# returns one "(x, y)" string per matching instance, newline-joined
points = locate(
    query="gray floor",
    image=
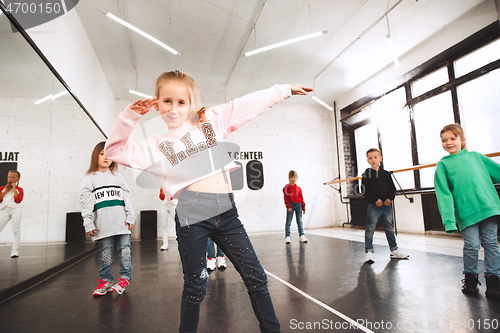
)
(316, 287)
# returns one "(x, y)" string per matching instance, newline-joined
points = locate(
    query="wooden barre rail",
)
(416, 167)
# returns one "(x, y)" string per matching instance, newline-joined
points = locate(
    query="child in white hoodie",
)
(108, 215)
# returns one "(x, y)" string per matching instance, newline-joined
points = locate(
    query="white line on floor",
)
(323, 305)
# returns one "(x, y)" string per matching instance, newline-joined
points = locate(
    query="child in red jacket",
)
(294, 202)
(11, 196)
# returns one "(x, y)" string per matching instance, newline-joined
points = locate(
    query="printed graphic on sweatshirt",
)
(108, 196)
(190, 156)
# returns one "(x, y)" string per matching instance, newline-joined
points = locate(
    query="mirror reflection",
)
(48, 139)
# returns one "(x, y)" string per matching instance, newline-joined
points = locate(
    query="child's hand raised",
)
(298, 89)
(142, 106)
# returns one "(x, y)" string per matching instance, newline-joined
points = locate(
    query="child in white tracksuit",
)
(11, 196)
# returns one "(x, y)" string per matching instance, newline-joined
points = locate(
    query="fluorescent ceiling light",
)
(139, 94)
(60, 94)
(52, 97)
(286, 42)
(392, 50)
(140, 32)
(41, 100)
(322, 103)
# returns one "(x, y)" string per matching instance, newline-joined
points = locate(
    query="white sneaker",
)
(369, 258)
(164, 247)
(221, 262)
(396, 254)
(302, 239)
(211, 264)
(288, 240)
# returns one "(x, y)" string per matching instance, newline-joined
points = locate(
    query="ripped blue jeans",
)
(221, 223)
(106, 248)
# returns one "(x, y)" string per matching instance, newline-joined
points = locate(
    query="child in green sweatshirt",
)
(467, 197)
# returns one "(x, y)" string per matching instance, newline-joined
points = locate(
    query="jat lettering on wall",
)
(9, 156)
(8, 161)
(108, 196)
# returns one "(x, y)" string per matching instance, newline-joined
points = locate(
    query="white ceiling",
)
(212, 35)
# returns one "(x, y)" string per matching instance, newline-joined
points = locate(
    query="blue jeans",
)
(228, 233)
(482, 233)
(106, 248)
(372, 216)
(211, 249)
(297, 208)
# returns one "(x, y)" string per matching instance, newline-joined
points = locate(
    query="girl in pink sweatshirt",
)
(191, 163)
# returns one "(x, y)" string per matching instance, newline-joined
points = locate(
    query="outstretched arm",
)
(298, 89)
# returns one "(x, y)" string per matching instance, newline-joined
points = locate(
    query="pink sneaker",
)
(102, 288)
(120, 286)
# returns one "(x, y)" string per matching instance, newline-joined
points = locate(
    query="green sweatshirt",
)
(464, 189)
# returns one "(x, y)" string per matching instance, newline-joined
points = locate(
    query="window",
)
(431, 116)
(366, 137)
(391, 117)
(406, 124)
(479, 101)
(477, 59)
(429, 82)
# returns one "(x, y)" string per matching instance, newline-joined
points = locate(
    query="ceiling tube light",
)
(392, 50)
(52, 97)
(322, 103)
(41, 100)
(286, 42)
(60, 94)
(390, 43)
(140, 32)
(139, 94)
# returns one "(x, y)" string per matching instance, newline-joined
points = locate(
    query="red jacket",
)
(20, 196)
(293, 193)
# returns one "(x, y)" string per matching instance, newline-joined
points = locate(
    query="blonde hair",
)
(94, 165)
(457, 130)
(372, 150)
(17, 173)
(194, 92)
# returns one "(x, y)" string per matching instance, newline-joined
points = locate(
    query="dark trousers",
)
(202, 215)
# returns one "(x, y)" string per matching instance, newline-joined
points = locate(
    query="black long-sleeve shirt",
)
(378, 185)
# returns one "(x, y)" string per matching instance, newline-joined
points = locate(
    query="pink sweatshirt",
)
(181, 156)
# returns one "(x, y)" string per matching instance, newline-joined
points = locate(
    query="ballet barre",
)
(416, 167)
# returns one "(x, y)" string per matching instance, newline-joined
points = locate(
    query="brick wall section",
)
(349, 162)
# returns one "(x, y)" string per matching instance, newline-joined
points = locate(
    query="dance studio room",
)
(249, 166)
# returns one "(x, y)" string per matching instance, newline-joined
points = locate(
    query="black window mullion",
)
(454, 94)
(413, 133)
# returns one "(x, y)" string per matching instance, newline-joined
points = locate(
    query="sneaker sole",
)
(101, 294)
(119, 293)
